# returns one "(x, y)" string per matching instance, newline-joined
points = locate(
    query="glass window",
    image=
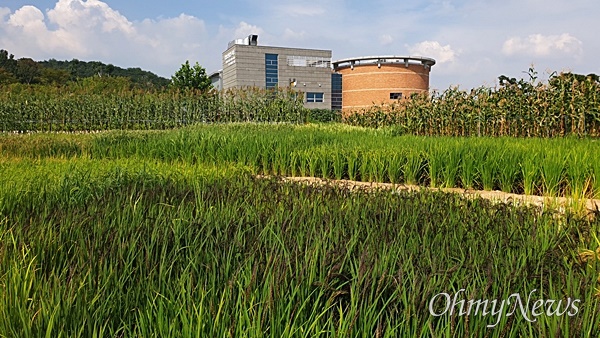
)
(336, 91)
(271, 70)
(314, 97)
(308, 61)
(395, 96)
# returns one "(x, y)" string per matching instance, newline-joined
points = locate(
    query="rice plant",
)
(339, 165)
(530, 172)
(509, 170)
(353, 160)
(467, 171)
(486, 159)
(552, 171)
(121, 234)
(395, 162)
(578, 174)
(413, 167)
(366, 154)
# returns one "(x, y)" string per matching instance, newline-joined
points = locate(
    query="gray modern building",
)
(247, 64)
(216, 79)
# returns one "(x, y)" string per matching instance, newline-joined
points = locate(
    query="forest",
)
(29, 71)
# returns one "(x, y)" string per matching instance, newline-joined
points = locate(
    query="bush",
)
(325, 115)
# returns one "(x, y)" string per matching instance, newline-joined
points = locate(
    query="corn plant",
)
(568, 104)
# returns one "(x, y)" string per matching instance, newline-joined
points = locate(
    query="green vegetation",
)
(108, 103)
(552, 167)
(167, 233)
(191, 77)
(324, 115)
(569, 104)
(142, 232)
(53, 72)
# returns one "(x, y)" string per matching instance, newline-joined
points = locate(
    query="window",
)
(308, 61)
(395, 96)
(314, 97)
(336, 91)
(271, 70)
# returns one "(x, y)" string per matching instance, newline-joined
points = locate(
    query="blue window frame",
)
(271, 70)
(314, 97)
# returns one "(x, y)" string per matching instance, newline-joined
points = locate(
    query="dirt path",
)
(592, 206)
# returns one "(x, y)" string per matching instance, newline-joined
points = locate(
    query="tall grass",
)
(535, 166)
(143, 247)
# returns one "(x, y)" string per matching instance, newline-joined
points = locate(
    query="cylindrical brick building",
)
(373, 80)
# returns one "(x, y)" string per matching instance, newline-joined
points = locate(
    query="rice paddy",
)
(171, 233)
(568, 167)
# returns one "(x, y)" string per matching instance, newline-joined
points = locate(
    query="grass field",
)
(550, 167)
(163, 234)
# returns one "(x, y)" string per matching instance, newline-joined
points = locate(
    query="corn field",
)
(48, 109)
(566, 105)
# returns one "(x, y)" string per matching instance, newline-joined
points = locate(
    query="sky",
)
(473, 41)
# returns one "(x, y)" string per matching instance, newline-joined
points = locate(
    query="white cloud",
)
(461, 35)
(433, 49)
(297, 10)
(89, 15)
(386, 39)
(4, 12)
(91, 30)
(539, 45)
(244, 29)
(289, 34)
(27, 17)
(26, 33)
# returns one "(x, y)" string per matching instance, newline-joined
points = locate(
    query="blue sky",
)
(473, 41)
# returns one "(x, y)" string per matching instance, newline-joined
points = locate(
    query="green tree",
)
(54, 76)
(188, 77)
(7, 77)
(7, 61)
(28, 71)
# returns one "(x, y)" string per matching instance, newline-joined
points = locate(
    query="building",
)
(216, 79)
(247, 64)
(381, 79)
(348, 84)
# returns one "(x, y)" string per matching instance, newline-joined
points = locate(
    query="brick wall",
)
(366, 85)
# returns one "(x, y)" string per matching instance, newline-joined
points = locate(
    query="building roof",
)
(383, 59)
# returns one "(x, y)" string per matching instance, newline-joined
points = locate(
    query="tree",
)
(188, 77)
(28, 71)
(7, 77)
(54, 76)
(7, 61)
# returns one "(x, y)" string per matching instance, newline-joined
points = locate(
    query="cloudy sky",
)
(473, 41)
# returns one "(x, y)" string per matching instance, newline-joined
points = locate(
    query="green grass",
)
(161, 234)
(550, 167)
(125, 247)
